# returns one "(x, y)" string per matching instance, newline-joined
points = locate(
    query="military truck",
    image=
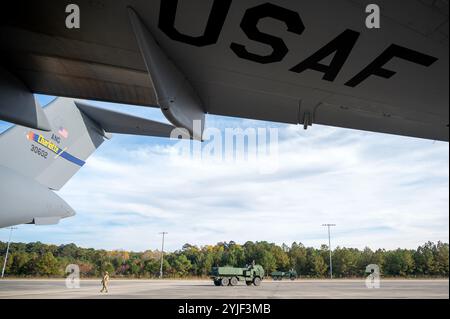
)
(279, 275)
(231, 276)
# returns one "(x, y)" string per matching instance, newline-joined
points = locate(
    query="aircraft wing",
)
(291, 61)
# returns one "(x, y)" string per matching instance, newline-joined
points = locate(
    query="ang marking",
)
(41, 140)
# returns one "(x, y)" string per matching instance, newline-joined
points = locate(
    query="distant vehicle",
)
(224, 276)
(279, 275)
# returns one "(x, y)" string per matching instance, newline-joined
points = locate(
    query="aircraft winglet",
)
(177, 98)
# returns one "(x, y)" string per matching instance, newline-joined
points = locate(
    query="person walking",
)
(105, 281)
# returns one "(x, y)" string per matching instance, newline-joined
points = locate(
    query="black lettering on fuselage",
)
(249, 25)
(376, 67)
(217, 16)
(341, 46)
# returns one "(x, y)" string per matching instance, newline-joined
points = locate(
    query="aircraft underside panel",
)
(300, 62)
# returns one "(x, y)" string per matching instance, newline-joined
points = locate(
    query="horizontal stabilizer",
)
(116, 122)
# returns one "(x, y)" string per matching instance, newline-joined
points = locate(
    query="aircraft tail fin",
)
(77, 130)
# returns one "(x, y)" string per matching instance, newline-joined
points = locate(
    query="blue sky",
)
(382, 191)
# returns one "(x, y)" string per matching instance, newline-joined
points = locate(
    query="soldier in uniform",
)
(105, 280)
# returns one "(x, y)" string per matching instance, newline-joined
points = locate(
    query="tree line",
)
(42, 260)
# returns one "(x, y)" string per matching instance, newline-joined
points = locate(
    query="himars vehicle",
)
(279, 275)
(224, 276)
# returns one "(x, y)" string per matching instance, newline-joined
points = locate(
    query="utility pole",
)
(329, 247)
(7, 250)
(162, 254)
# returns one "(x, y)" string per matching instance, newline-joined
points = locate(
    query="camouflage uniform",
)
(105, 282)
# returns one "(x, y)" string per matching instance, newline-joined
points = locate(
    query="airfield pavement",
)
(199, 289)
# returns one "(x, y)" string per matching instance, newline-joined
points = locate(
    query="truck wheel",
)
(225, 281)
(249, 283)
(216, 282)
(292, 278)
(257, 281)
(233, 281)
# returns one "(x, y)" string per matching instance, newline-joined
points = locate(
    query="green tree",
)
(151, 267)
(398, 262)
(182, 265)
(424, 259)
(281, 258)
(345, 262)
(206, 260)
(315, 264)
(442, 259)
(38, 259)
(47, 265)
(19, 261)
(298, 258)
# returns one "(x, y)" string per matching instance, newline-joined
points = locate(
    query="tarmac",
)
(200, 289)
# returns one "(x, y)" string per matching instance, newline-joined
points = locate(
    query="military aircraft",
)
(292, 61)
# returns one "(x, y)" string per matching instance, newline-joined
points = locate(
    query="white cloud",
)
(381, 191)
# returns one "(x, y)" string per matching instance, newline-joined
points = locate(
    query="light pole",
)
(329, 247)
(162, 255)
(7, 250)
